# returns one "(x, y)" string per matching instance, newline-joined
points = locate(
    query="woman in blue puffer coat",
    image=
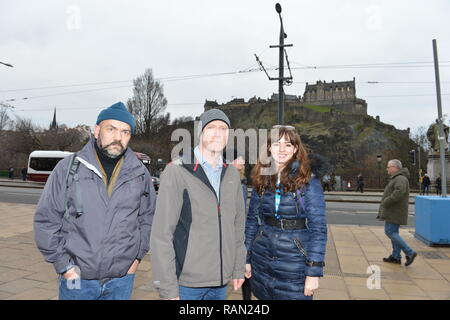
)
(286, 230)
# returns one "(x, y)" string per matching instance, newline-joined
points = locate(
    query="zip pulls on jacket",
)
(219, 214)
(277, 197)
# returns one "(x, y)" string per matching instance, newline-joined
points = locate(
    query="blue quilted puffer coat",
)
(279, 257)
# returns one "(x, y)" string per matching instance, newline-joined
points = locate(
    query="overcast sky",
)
(62, 43)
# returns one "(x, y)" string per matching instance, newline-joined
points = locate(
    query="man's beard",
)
(106, 152)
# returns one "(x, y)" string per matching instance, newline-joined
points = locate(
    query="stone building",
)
(337, 95)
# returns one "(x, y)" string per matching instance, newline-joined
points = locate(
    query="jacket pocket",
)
(300, 247)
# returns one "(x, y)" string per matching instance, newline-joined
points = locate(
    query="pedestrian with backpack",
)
(94, 217)
(286, 230)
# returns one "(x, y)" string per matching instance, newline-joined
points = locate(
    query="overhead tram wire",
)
(247, 70)
(198, 76)
(21, 109)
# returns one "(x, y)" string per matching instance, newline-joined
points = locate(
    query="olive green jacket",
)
(394, 204)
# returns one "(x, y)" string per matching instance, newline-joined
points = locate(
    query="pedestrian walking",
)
(24, 173)
(326, 180)
(198, 231)
(360, 183)
(333, 182)
(349, 186)
(426, 182)
(420, 181)
(394, 211)
(438, 185)
(286, 231)
(94, 217)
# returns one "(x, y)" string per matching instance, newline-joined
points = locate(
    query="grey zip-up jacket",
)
(197, 241)
(111, 233)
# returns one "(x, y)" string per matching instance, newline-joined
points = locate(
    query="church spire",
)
(54, 125)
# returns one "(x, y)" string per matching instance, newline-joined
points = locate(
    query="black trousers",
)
(246, 290)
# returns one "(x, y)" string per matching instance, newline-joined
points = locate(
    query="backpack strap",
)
(72, 176)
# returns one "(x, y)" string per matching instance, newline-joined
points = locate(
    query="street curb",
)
(22, 186)
(326, 200)
(357, 201)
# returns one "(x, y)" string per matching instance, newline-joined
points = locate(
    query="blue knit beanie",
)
(118, 112)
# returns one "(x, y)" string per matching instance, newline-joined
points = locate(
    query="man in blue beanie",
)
(94, 217)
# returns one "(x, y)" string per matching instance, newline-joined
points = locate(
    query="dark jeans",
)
(212, 293)
(115, 289)
(398, 244)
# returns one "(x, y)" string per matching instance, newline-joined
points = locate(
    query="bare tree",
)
(147, 104)
(419, 136)
(26, 135)
(5, 120)
(63, 139)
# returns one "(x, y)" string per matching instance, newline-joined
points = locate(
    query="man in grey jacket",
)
(94, 224)
(198, 232)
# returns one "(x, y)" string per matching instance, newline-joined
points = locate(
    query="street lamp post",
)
(281, 78)
(281, 69)
(440, 122)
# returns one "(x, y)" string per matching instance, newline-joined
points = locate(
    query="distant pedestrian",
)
(360, 182)
(333, 182)
(326, 183)
(438, 185)
(394, 211)
(24, 174)
(426, 182)
(349, 186)
(11, 173)
(420, 182)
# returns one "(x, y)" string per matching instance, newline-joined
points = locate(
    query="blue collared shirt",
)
(213, 174)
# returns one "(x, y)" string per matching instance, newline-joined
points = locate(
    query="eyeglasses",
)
(280, 126)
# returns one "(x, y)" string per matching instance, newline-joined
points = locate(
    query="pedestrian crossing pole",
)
(442, 141)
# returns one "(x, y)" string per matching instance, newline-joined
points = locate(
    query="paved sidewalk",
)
(351, 250)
